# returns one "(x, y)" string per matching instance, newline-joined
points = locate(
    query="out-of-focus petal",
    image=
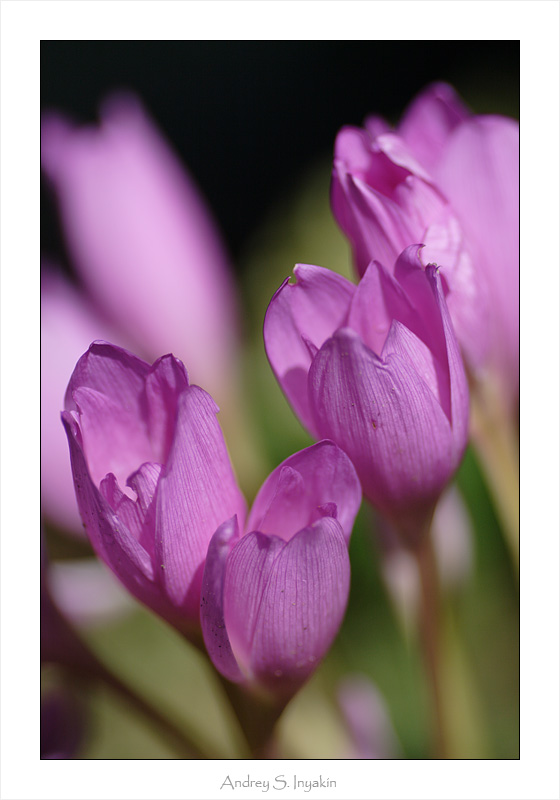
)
(300, 317)
(466, 289)
(375, 125)
(373, 223)
(68, 325)
(197, 492)
(386, 207)
(142, 237)
(295, 494)
(295, 606)
(479, 173)
(387, 420)
(212, 601)
(366, 716)
(429, 120)
(453, 539)
(87, 593)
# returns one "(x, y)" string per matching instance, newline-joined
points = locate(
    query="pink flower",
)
(450, 180)
(151, 473)
(154, 272)
(274, 598)
(159, 500)
(377, 369)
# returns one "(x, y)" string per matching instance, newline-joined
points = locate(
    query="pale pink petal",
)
(142, 238)
(301, 488)
(480, 174)
(429, 120)
(68, 325)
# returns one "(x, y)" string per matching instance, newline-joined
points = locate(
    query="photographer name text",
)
(279, 783)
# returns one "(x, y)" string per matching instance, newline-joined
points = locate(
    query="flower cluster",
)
(450, 180)
(376, 367)
(374, 371)
(162, 508)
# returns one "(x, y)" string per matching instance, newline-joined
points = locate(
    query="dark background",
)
(246, 117)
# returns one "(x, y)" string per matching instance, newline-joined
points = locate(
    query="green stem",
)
(430, 630)
(169, 731)
(495, 439)
(61, 645)
(257, 717)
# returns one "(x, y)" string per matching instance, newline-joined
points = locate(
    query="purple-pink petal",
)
(296, 609)
(164, 383)
(197, 492)
(479, 172)
(295, 494)
(112, 371)
(247, 573)
(300, 317)
(458, 385)
(429, 120)
(115, 438)
(212, 619)
(388, 421)
(137, 514)
(110, 537)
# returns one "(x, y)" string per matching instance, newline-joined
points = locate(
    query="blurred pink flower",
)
(69, 323)
(367, 720)
(154, 272)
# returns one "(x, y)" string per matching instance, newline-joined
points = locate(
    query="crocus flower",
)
(274, 597)
(450, 180)
(377, 369)
(152, 475)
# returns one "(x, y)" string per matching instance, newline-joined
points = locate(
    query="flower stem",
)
(430, 628)
(61, 645)
(257, 718)
(169, 731)
(495, 439)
